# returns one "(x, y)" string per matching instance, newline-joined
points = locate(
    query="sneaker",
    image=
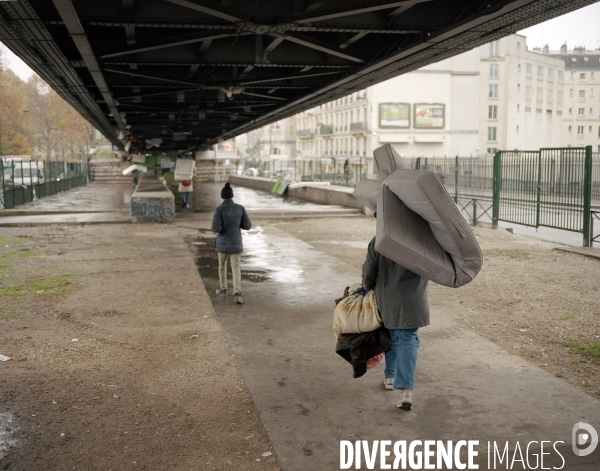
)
(406, 400)
(388, 383)
(221, 292)
(238, 298)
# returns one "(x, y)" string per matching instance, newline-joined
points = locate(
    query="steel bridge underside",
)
(188, 73)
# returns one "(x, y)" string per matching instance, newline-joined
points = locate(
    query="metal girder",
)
(350, 10)
(295, 53)
(69, 16)
(202, 39)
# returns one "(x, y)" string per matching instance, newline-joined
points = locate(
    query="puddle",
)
(207, 263)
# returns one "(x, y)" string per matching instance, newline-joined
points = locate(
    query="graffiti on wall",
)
(152, 212)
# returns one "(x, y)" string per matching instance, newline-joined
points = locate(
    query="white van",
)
(23, 173)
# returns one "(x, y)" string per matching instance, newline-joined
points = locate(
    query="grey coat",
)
(401, 295)
(227, 221)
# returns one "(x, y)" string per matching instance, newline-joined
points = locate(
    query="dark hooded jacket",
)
(402, 297)
(228, 219)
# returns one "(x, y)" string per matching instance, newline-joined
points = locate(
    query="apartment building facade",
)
(498, 96)
(581, 120)
(521, 97)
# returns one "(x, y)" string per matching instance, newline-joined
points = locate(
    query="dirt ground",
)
(535, 301)
(103, 379)
(118, 360)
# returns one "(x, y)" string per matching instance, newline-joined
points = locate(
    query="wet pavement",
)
(207, 196)
(98, 203)
(467, 387)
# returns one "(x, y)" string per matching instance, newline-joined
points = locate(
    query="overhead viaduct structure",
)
(186, 73)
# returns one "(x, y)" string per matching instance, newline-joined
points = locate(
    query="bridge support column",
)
(152, 201)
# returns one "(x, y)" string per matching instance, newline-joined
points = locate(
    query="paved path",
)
(467, 387)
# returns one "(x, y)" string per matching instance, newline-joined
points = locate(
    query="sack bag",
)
(356, 313)
(186, 182)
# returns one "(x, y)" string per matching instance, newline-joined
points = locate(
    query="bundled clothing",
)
(356, 349)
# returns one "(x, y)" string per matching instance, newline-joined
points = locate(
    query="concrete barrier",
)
(333, 194)
(152, 202)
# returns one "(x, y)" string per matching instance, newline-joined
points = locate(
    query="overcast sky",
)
(579, 28)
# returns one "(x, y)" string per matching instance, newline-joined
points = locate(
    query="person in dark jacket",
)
(404, 307)
(228, 219)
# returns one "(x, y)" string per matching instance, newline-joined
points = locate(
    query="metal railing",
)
(548, 187)
(23, 182)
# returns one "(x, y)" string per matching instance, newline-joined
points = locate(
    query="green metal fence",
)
(23, 182)
(549, 187)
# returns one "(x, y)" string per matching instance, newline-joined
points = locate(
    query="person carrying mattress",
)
(404, 307)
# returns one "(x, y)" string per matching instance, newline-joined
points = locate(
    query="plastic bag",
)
(373, 362)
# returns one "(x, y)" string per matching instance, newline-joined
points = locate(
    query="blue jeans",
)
(185, 197)
(401, 357)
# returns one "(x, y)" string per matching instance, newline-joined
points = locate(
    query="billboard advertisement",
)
(430, 115)
(394, 115)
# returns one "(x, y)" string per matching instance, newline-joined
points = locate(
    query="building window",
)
(494, 70)
(540, 71)
(529, 69)
(495, 48)
(591, 110)
(570, 110)
(493, 112)
(518, 44)
(581, 95)
(538, 94)
(550, 74)
(561, 75)
(581, 112)
(518, 108)
(493, 91)
(559, 97)
(590, 129)
(519, 68)
(275, 151)
(517, 129)
(570, 92)
(570, 129)
(549, 95)
(519, 87)
(491, 150)
(581, 76)
(598, 131)
(580, 130)
(528, 92)
(491, 134)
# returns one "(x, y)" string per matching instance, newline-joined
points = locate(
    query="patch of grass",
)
(566, 318)
(41, 286)
(517, 254)
(589, 349)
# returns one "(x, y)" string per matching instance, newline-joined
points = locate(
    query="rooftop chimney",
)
(546, 49)
(563, 48)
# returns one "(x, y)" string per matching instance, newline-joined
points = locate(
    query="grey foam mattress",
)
(418, 224)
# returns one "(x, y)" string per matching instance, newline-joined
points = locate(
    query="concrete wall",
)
(332, 195)
(258, 183)
(152, 202)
